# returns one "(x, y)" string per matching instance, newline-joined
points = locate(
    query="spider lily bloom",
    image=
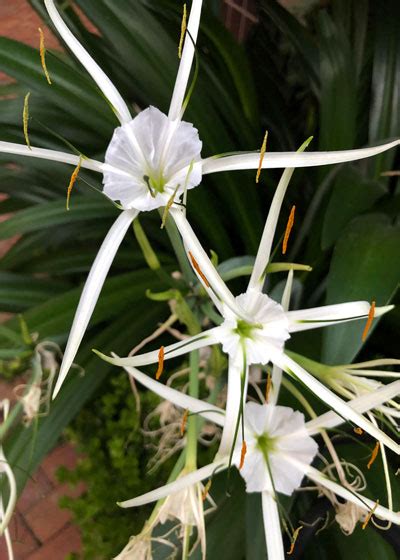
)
(151, 160)
(280, 450)
(354, 380)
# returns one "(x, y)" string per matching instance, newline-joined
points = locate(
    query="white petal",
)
(101, 79)
(360, 404)
(186, 61)
(361, 501)
(12, 497)
(196, 406)
(272, 527)
(233, 401)
(333, 401)
(281, 160)
(316, 317)
(53, 155)
(176, 486)
(92, 289)
(206, 338)
(207, 268)
(151, 147)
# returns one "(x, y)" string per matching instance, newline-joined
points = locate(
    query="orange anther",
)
(358, 431)
(294, 539)
(369, 321)
(262, 154)
(370, 514)
(268, 387)
(73, 179)
(42, 49)
(206, 490)
(198, 270)
(184, 420)
(374, 455)
(288, 230)
(160, 362)
(243, 455)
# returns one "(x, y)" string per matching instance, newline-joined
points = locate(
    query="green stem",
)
(192, 425)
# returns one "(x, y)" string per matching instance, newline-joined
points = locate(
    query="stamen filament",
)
(374, 455)
(294, 539)
(243, 454)
(288, 230)
(25, 119)
(184, 421)
(42, 49)
(370, 514)
(168, 206)
(73, 179)
(369, 321)
(160, 363)
(262, 154)
(183, 31)
(198, 270)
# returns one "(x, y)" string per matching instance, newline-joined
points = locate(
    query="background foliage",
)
(335, 76)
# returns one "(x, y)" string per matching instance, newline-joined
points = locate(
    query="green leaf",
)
(365, 266)
(351, 195)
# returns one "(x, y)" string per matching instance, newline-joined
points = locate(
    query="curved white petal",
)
(276, 371)
(186, 61)
(360, 404)
(233, 400)
(316, 317)
(361, 501)
(204, 409)
(92, 289)
(207, 268)
(272, 527)
(101, 79)
(54, 155)
(176, 486)
(333, 401)
(196, 342)
(272, 160)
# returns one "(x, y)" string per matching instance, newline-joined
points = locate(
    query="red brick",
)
(64, 543)
(24, 542)
(45, 519)
(36, 489)
(62, 456)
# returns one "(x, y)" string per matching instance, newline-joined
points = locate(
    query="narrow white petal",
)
(204, 409)
(185, 65)
(207, 268)
(101, 79)
(53, 155)
(92, 289)
(206, 338)
(233, 400)
(272, 160)
(176, 486)
(333, 401)
(364, 503)
(359, 404)
(276, 371)
(272, 527)
(316, 317)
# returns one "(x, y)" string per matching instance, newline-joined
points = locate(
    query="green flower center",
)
(154, 184)
(266, 445)
(245, 329)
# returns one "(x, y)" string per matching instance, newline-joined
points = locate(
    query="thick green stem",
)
(192, 425)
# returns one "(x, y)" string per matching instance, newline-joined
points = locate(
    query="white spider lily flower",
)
(278, 456)
(138, 548)
(144, 171)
